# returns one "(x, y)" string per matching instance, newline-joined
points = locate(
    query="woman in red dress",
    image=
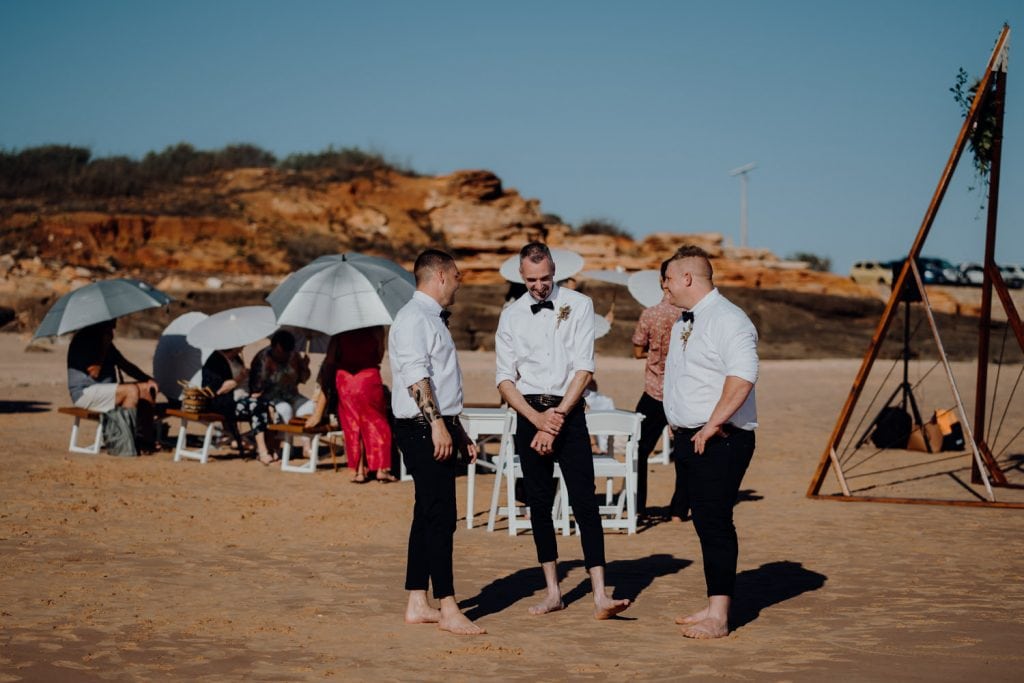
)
(352, 369)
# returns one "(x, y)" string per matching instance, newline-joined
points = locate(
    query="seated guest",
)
(277, 371)
(93, 364)
(225, 373)
(351, 369)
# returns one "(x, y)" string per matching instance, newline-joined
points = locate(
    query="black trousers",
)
(654, 422)
(713, 481)
(434, 512)
(572, 453)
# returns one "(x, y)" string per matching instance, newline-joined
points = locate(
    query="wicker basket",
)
(194, 400)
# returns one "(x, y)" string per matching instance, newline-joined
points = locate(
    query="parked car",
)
(972, 274)
(1013, 278)
(937, 271)
(871, 273)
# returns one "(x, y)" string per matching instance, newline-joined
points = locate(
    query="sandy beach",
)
(146, 569)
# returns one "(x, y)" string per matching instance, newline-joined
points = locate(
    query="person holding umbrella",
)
(350, 375)
(93, 363)
(226, 333)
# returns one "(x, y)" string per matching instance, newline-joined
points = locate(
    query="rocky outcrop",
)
(248, 228)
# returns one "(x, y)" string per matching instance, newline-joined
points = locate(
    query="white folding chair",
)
(480, 424)
(508, 470)
(617, 512)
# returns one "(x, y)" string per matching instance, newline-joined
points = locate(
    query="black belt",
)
(420, 421)
(543, 400)
(687, 432)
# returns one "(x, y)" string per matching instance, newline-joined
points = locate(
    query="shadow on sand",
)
(629, 577)
(9, 407)
(769, 585)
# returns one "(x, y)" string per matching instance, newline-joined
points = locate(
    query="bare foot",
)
(422, 614)
(459, 624)
(552, 603)
(700, 615)
(607, 608)
(708, 628)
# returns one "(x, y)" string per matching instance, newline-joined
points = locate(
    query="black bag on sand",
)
(892, 428)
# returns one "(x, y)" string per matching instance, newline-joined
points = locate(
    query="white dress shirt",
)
(420, 346)
(542, 352)
(722, 343)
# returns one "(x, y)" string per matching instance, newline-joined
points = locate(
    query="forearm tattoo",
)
(423, 395)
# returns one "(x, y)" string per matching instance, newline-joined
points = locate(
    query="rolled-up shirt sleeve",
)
(504, 353)
(738, 344)
(583, 348)
(411, 354)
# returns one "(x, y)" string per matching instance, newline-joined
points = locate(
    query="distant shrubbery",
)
(601, 226)
(821, 264)
(63, 172)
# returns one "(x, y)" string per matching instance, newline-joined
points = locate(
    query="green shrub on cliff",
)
(64, 173)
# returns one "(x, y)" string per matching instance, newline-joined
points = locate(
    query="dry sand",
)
(145, 569)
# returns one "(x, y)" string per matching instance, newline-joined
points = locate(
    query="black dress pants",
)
(434, 512)
(713, 480)
(572, 453)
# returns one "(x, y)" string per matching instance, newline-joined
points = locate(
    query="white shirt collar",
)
(705, 301)
(428, 301)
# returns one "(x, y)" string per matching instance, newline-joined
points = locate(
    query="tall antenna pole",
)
(742, 172)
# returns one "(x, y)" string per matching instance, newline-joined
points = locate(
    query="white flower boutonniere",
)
(563, 314)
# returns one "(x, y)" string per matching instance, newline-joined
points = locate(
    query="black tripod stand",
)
(904, 391)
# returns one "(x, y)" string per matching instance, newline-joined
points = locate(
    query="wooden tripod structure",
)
(990, 98)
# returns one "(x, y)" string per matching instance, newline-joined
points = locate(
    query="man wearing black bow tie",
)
(545, 358)
(710, 374)
(427, 401)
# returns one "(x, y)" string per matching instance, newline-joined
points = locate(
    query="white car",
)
(871, 273)
(972, 273)
(1012, 276)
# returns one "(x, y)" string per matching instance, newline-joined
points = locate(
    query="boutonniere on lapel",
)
(563, 314)
(685, 336)
(687, 319)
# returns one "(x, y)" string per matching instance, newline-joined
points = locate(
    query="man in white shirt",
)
(710, 374)
(426, 402)
(544, 349)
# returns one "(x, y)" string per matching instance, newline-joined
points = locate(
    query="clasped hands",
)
(548, 424)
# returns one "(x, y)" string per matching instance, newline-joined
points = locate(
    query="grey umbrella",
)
(98, 302)
(342, 292)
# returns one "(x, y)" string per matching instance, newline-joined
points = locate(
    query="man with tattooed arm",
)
(427, 401)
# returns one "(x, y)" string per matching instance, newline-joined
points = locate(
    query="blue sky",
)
(632, 111)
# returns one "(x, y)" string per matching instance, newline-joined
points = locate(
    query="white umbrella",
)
(615, 277)
(342, 292)
(645, 286)
(175, 359)
(567, 264)
(233, 328)
(98, 302)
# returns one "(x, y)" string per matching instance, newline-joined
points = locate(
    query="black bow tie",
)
(687, 317)
(549, 304)
(445, 314)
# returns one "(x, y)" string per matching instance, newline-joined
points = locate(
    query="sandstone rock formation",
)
(250, 227)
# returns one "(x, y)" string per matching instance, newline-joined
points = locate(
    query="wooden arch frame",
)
(991, 91)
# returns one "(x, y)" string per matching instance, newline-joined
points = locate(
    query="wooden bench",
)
(84, 414)
(298, 427)
(211, 422)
